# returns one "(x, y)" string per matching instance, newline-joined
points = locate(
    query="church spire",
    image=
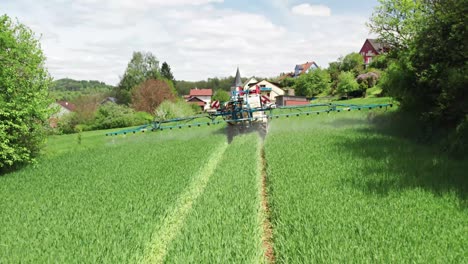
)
(238, 81)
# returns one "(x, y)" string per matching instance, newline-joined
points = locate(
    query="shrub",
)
(114, 116)
(24, 99)
(150, 94)
(312, 83)
(168, 110)
(221, 95)
(67, 123)
(347, 83)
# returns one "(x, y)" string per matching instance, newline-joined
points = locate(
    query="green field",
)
(342, 187)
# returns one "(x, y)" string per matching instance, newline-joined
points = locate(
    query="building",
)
(237, 81)
(61, 108)
(195, 100)
(109, 99)
(202, 95)
(372, 48)
(285, 100)
(249, 82)
(271, 90)
(304, 68)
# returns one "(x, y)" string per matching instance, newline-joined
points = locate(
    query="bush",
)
(169, 110)
(67, 123)
(221, 95)
(141, 118)
(114, 116)
(347, 83)
(313, 83)
(151, 93)
(458, 140)
(24, 99)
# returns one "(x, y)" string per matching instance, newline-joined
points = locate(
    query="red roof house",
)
(304, 68)
(67, 105)
(371, 48)
(201, 92)
(195, 100)
(200, 96)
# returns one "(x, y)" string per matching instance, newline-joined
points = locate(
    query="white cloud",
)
(311, 10)
(90, 39)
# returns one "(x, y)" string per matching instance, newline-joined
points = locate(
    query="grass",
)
(342, 187)
(96, 203)
(342, 191)
(224, 225)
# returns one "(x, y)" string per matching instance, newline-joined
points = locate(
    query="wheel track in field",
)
(175, 219)
(267, 232)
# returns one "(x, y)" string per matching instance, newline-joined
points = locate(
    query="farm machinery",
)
(247, 110)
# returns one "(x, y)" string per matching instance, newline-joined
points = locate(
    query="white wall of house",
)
(252, 80)
(61, 111)
(275, 90)
(205, 98)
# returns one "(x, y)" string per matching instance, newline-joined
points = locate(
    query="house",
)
(249, 82)
(270, 89)
(285, 100)
(62, 108)
(304, 68)
(197, 101)
(203, 95)
(109, 100)
(285, 75)
(372, 48)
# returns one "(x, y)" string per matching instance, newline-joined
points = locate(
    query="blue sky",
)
(94, 39)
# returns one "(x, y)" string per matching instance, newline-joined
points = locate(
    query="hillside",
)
(69, 89)
(75, 85)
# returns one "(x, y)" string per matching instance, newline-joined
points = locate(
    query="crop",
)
(224, 225)
(100, 202)
(343, 190)
(342, 187)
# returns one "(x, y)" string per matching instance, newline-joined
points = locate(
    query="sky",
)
(199, 39)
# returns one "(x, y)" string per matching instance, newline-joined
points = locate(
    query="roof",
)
(201, 92)
(286, 75)
(378, 45)
(109, 99)
(197, 101)
(67, 105)
(306, 66)
(248, 82)
(237, 80)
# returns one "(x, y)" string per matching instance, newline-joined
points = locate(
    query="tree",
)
(353, 62)
(312, 83)
(347, 83)
(166, 72)
(150, 94)
(142, 67)
(24, 99)
(398, 21)
(334, 69)
(221, 95)
(429, 73)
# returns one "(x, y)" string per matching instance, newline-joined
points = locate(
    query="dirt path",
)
(267, 237)
(175, 219)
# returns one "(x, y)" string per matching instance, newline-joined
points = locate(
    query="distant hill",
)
(64, 85)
